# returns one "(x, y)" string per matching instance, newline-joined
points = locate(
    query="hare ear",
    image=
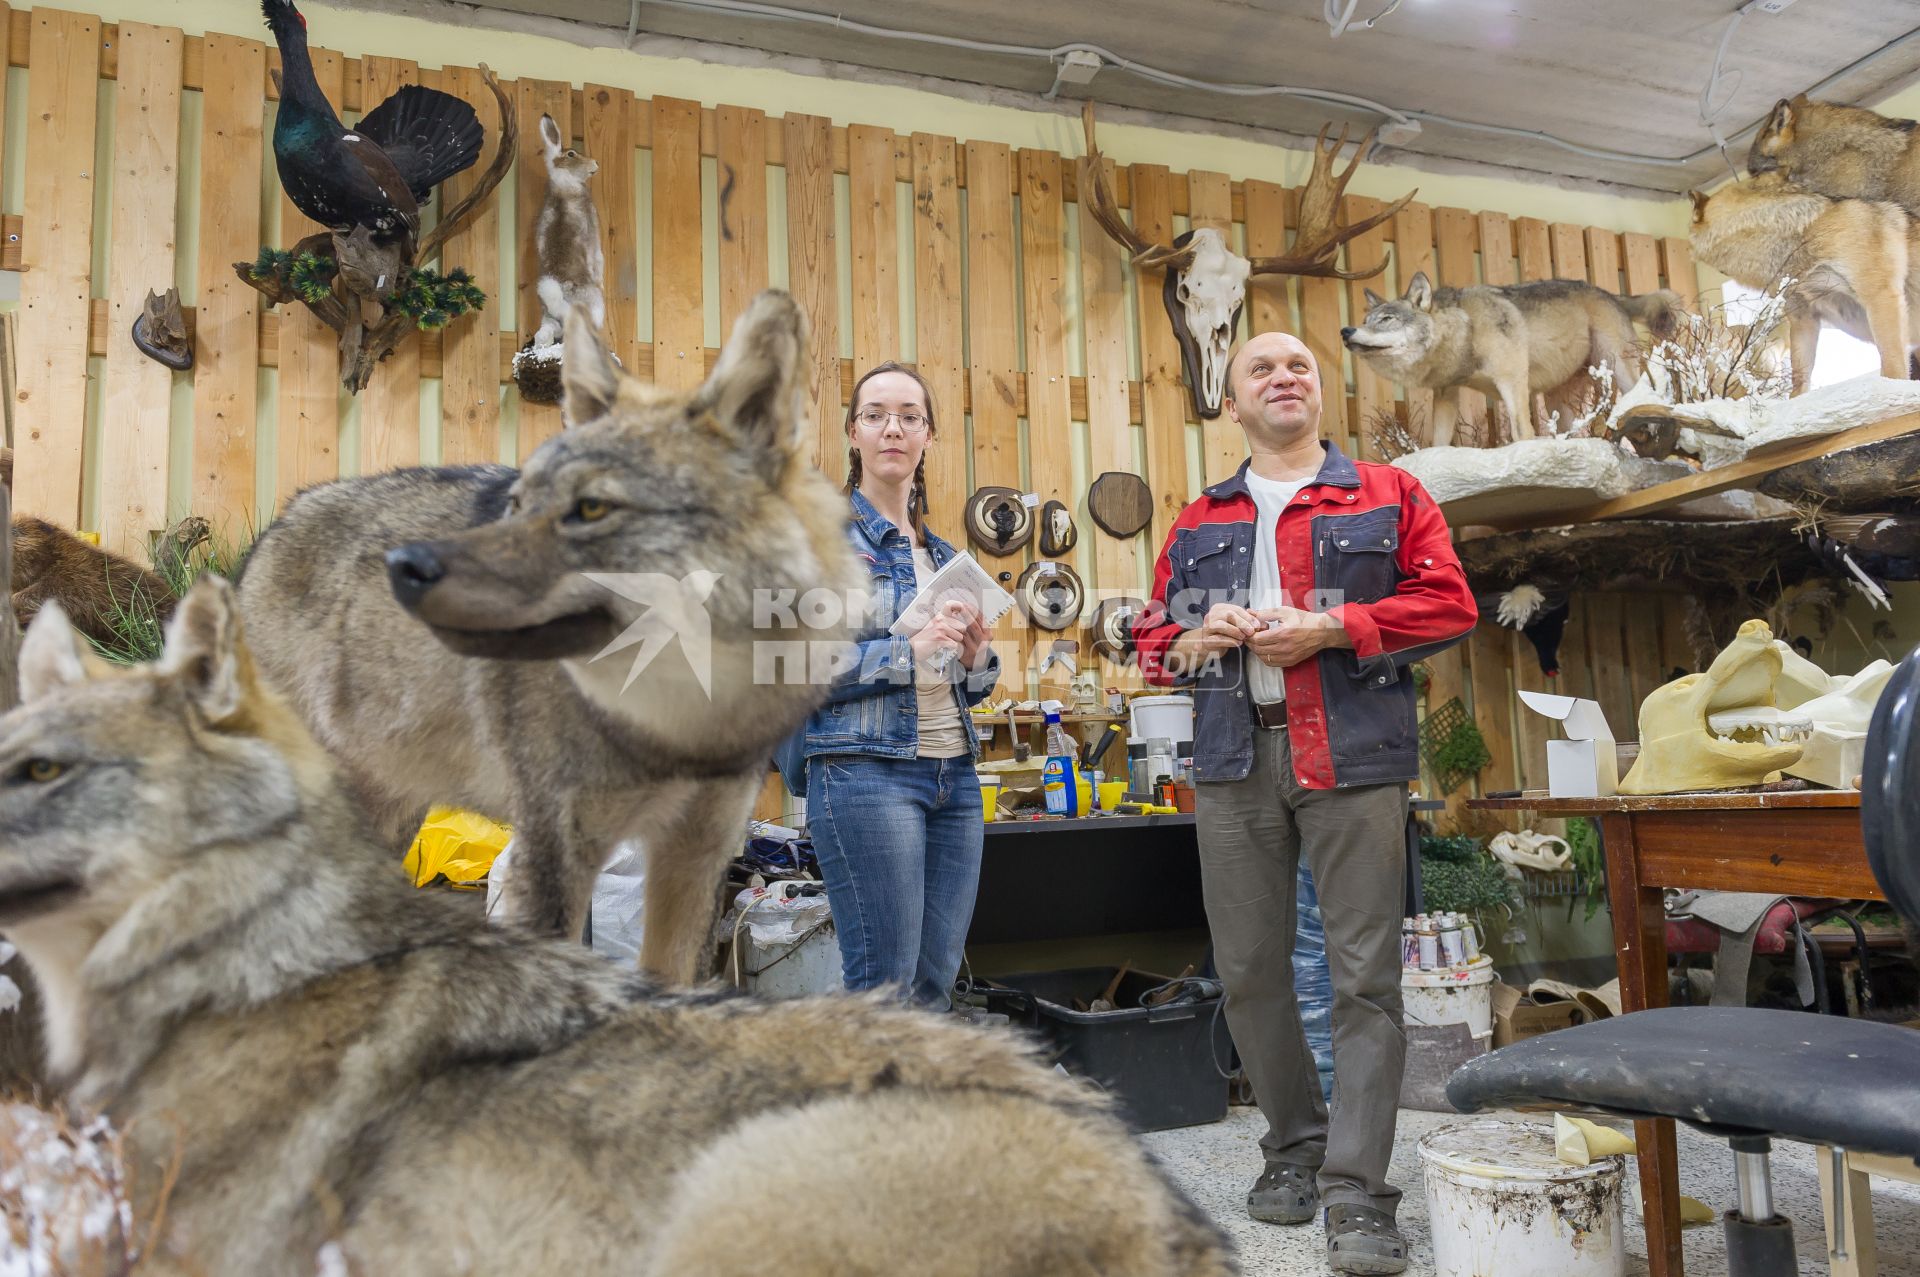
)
(550, 133)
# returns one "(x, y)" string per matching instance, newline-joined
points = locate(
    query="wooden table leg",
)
(1640, 939)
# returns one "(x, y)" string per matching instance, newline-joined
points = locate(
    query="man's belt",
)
(1272, 714)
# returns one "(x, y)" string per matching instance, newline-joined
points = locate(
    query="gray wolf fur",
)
(1512, 342)
(1847, 152)
(509, 713)
(237, 971)
(1853, 263)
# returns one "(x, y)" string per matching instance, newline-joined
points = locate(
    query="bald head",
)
(1273, 389)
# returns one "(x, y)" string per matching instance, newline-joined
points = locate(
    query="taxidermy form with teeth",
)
(1722, 729)
(572, 264)
(1838, 709)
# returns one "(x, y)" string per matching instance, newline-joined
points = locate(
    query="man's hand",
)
(1290, 635)
(1225, 627)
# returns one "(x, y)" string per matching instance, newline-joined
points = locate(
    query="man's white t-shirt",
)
(1270, 497)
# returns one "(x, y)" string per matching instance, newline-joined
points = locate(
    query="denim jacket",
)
(874, 708)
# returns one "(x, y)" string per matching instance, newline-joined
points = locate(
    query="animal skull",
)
(1204, 300)
(1721, 729)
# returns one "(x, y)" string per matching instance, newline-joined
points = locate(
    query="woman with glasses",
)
(887, 764)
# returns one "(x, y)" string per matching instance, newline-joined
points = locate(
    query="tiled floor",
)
(1215, 1163)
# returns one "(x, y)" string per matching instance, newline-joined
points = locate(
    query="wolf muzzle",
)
(413, 571)
(473, 626)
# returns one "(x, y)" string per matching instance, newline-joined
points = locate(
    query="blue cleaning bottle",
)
(1060, 780)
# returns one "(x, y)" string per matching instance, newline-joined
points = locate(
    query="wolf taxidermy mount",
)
(1847, 152)
(1206, 281)
(697, 506)
(360, 276)
(1513, 341)
(313, 1065)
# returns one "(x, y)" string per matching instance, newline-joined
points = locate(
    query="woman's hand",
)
(973, 641)
(943, 632)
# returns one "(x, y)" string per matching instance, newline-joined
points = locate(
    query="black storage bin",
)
(1159, 1062)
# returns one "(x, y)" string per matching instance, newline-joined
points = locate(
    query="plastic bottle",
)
(1060, 779)
(1429, 939)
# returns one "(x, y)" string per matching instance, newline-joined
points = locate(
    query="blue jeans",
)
(899, 844)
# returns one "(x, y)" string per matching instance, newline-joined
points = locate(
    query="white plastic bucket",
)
(1461, 995)
(1499, 1201)
(1168, 716)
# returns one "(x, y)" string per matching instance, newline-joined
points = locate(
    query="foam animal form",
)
(567, 236)
(1720, 729)
(1837, 747)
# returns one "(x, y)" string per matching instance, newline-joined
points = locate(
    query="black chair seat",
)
(1726, 1070)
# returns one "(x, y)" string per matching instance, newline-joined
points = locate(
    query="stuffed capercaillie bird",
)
(378, 174)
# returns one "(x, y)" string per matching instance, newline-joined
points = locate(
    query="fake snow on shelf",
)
(1723, 431)
(1540, 476)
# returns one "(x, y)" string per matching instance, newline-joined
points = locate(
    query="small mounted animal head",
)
(566, 166)
(1206, 284)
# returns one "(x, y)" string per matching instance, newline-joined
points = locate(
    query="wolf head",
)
(1395, 334)
(701, 509)
(1775, 136)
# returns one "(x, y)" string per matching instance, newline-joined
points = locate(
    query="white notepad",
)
(961, 578)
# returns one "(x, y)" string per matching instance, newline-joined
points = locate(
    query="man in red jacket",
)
(1293, 597)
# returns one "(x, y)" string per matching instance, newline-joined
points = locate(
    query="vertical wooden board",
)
(1677, 255)
(993, 365)
(1496, 249)
(679, 326)
(1457, 242)
(874, 252)
(226, 355)
(146, 186)
(1163, 396)
(390, 405)
(470, 346)
(1603, 258)
(1576, 670)
(1607, 655)
(6, 59)
(607, 133)
(1372, 393)
(307, 433)
(1569, 251)
(1222, 445)
(1494, 704)
(1534, 247)
(56, 265)
(1413, 251)
(1043, 257)
(742, 146)
(1320, 330)
(939, 320)
(1266, 214)
(532, 99)
(1110, 433)
(1644, 667)
(1676, 649)
(1532, 731)
(812, 272)
(1641, 254)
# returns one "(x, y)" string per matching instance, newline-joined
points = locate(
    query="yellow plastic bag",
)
(459, 846)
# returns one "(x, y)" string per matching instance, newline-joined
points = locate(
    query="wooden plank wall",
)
(1013, 287)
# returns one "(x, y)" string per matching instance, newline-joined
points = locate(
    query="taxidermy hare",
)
(567, 237)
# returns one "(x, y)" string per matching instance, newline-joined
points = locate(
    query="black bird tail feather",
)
(429, 135)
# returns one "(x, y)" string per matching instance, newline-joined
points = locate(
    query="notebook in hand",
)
(961, 578)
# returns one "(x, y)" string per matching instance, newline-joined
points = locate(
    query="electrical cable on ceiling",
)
(1338, 18)
(759, 8)
(1710, 109)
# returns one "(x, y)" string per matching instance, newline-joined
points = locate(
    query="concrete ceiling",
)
(1617, 75)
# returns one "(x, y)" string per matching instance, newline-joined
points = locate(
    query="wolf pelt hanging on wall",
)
(239, 975)
(470, 636)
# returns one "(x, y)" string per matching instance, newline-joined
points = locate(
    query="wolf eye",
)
(41, 770)
(591, 510)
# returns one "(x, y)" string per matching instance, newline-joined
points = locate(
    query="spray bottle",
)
(1061, 778)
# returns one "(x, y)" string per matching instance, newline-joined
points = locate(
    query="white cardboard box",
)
(1583, 765)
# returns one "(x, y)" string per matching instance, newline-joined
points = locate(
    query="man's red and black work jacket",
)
(1362, 541)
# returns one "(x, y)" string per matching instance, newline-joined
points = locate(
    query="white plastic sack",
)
(617, 896)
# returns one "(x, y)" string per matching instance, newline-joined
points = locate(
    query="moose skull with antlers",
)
(1206, 281)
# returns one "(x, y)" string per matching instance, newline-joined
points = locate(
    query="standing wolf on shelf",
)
(1512, 341)
(599, 623)
(310, 1062)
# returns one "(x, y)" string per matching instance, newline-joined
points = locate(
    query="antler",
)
(456, 216)
(1098, 195)
(1316, 247)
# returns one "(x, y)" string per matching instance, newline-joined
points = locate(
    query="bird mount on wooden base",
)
(370, 288)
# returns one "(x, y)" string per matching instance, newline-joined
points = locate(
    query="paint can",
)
(1501, 1202)
(1450, 995)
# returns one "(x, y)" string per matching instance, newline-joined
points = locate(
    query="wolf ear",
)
(589, 379)
(53, 655)
(1780, 120)
(757, 388)
(550, 134)
(203, 649)
(1420, 291)
(1699, 199)
(1373, 298)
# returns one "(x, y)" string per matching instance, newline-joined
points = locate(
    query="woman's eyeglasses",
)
(876, 419)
